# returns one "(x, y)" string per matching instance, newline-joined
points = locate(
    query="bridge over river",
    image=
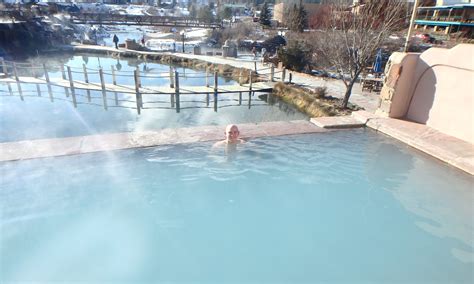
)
(142, 20)
(119, 19)
(20, 74)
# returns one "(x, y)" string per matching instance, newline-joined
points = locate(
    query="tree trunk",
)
(348, 93)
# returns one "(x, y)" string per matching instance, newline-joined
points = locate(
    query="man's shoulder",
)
(220, 143)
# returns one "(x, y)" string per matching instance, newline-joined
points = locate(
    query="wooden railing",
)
(19, 74)
(118, 19)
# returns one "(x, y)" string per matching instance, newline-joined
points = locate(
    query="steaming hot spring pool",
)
(347, 206)
(335, 207)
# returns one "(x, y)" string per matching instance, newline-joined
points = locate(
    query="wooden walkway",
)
(18, 74)
(165, 90)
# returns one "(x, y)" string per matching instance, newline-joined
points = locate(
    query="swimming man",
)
(231, 136)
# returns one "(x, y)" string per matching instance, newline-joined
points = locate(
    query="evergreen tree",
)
(205, 14)
(301, 18)
(265, 16)
(226, 13)
(193, 11)
(297, 18)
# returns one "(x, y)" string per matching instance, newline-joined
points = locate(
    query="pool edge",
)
(43, 148)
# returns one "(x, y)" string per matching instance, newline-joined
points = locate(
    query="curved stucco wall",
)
(444, 100)
(443, 91)
(435, 88)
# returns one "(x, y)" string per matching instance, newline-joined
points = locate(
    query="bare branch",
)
(353, 35)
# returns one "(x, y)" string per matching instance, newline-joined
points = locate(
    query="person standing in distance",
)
(116, 40)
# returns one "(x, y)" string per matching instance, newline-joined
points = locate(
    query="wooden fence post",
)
(176, 89)
(255, 66)
(250, 88)
(291, 77)
(102, 84)
(171, 78)
(240, 98)
(63, 73)
(86, 79)
(283, 75)
(71, 84)
(114, 82)
(32, 70)
(35, 75)
(10, 89)
(15, 72)
(215, 90)
(137, 92)
(272, 73)
(207, 77)
(250, 100)
(250, 82)
(48, 84)
(138, 78)
(4, 67)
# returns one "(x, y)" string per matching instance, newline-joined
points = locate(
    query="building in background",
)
(311, 6)
(448, 16)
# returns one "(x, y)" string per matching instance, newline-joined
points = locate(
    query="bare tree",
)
(320, 17)
(349, 41)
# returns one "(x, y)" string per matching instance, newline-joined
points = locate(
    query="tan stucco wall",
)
(278, 9)
(435, 88)
(278, 12)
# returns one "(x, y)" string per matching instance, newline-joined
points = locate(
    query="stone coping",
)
(337, 122)
(41, 148)
(449, 149)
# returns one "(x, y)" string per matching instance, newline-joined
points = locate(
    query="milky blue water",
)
(37, 117)
(339, 207)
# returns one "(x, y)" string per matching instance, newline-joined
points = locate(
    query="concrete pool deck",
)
(451, 150)
(42, 148)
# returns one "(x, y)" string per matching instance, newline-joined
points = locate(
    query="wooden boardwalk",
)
(165, 90)
(19, 74)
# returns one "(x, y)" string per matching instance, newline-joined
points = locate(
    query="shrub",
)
(236, 32)
(295, 56)
(320, 92)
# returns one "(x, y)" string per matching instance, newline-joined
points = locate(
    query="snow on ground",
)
(162, 44)
(154, 39)
(155, 35)
(94, 7)
(164, 41)
(136, 10)
(196, 33)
